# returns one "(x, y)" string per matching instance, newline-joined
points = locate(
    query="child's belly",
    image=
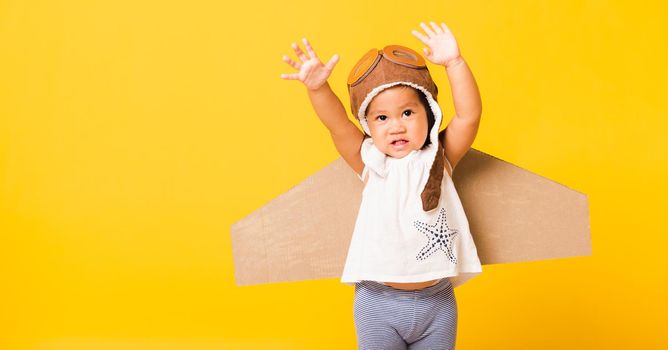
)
(411, 286)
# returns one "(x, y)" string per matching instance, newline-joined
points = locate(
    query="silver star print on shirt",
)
(440, 237)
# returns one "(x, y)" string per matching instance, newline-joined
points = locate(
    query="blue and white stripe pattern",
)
(387, 318)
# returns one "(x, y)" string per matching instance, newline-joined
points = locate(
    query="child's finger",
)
(420, 36)
(309, 49)
(293, 76)
(426, 29)
(332, 62)
(437, 29)
(445, 28)
(292, 63)
(299, 52)
(426, 52)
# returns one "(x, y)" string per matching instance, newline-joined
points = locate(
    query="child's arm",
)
(346, 136)
(462, 129)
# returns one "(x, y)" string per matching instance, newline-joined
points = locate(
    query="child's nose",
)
(397, 125)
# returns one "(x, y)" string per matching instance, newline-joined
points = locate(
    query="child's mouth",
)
(399, 144)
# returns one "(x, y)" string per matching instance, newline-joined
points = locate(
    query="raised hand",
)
(441, 42)
(311, 71)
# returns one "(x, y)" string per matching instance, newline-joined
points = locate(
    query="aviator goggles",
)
(396, 53)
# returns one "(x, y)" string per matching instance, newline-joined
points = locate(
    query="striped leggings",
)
(387, 318)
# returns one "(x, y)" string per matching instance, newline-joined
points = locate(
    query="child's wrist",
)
(322, 87)
(454, 62)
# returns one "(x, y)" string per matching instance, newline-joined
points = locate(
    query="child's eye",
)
(409, 112)
(381, 116)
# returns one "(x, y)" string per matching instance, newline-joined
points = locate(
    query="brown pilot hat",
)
(378, 70)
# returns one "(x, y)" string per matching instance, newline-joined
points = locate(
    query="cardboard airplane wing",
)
(514, 215)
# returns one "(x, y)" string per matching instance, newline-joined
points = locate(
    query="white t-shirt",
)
(394, 239)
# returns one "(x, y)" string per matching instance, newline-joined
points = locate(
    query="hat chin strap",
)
(431, 193)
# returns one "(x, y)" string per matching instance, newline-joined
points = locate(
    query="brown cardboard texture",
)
(514, 216)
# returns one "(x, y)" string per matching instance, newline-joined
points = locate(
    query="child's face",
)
(397, 114)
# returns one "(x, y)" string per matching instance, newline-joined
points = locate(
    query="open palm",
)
(440, 41)
(311, 70)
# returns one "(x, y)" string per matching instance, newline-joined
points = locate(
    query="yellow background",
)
(133, 134)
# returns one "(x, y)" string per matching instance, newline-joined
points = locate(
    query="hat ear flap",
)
(432, 189)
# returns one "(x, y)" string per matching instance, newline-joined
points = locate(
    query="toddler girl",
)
(411, 244)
